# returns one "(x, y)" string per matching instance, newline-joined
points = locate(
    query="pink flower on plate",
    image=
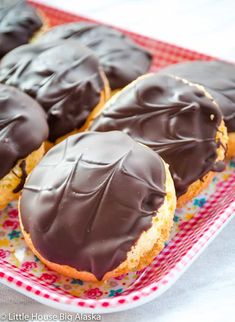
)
(13, 213)
(13, 224)
(4, 253)
(27, 266)
(93, 293)
(48, 278)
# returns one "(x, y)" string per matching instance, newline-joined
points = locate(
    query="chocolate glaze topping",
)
(219, 80)
(18, 22)
(174, 119)
(23, 128)
(64, 77)
(90, 198)
(122, 59)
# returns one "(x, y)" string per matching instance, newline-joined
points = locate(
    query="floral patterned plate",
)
(194, 227)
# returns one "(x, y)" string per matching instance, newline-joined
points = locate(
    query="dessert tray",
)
(194, 228)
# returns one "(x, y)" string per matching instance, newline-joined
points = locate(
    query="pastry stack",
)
(99, 151)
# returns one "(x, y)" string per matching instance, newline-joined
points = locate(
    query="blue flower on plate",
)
(113, 293)
(176, 218)
(200, 202)
(232, 163)
(14, 234)
(75, 281)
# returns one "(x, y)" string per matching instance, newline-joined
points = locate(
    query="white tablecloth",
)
(206, 292)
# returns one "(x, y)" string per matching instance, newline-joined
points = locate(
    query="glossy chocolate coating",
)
(18, 23)
(174, 119)
(23, 127)
(90, 198)
(219, 80)
(122, 59)
(64, 77)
